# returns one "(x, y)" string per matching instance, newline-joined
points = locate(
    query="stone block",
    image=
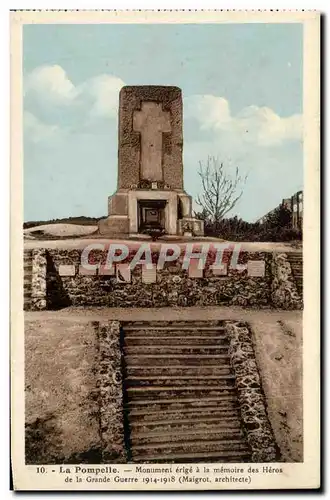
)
(198, 227)
(186, 203)
(256, 268)
(106, 270)
(86, 272)
(190, 225)
(114, 224)
(123, 273)
(194, 271)
(149, 274)
(220, 271)
(118, 203)
(67, 270)
(168, 101)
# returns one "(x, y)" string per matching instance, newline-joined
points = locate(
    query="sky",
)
(242, 103)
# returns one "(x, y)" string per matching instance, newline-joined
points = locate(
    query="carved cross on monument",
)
(150, 136)
(151, 122)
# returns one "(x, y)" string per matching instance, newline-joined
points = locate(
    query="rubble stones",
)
(39, 278)
(173, 286)
(248, 384)
(284, 292)
(111, 393)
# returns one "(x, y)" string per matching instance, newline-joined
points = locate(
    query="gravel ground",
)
(80, 243)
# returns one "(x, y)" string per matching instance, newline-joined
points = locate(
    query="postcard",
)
(165, 236)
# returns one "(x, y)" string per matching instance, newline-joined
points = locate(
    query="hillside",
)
(81, 220)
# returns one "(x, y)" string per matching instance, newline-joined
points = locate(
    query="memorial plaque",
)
(106, 270)
(67, 270)
(123, 273)
(194, 271)
(84, 271)
(221, 270)
(256, 268)
(149, 274)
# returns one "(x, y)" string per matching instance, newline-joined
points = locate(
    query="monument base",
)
(114, 225)
(195, 227)
(137, 211)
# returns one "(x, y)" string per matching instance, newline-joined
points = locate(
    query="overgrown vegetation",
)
(277, 227)
(220, 193)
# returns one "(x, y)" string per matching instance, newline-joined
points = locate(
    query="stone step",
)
(175, 349)
(178, 359)
(187, 436)
(144, 416)
(178, 370)
(236, 456)
(193, 423)
(172, 325)
(165, 341)
(181, 402)
(181, 333)
(197, 446)
(180, 380)
(166, 403)
(157, 393)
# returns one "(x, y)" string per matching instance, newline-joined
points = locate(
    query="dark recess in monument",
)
(152, 217)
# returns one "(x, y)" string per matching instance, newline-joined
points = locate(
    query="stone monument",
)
(150, 172)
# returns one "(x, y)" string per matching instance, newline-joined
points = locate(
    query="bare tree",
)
(221, 191)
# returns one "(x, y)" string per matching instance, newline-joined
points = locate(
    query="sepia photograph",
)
(163, 190)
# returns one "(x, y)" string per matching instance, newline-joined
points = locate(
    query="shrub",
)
(235, 229)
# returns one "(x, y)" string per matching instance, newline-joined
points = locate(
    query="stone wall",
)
(250, 396)
(284, 293)
(110, 386)
(52, 288)
(39, 279)
(173, 285)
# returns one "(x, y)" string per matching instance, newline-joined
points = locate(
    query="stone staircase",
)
(27, 279)
(296, 262)
(180, 400)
